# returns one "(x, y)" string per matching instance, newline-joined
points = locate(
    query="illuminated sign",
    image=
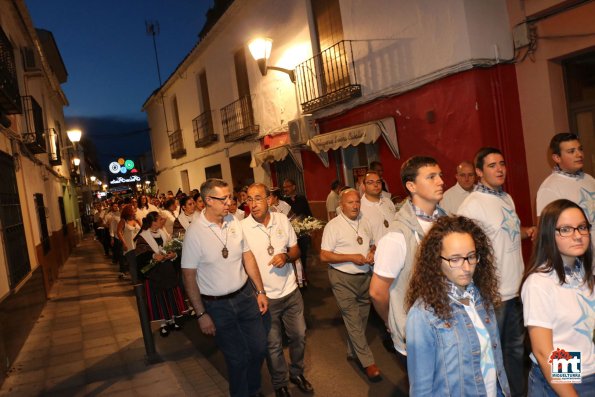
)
(121, 166)
(121, 179)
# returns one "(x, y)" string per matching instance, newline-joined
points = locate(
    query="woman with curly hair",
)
(452, 336)
(559, 299)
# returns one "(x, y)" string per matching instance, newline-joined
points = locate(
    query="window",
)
(43, 223)
(10, 98)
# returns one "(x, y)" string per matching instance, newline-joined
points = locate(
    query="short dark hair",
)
(290, 181)
(482, 154)
(335, 184)
(267, 191)
(275, 191)
(410, 168)
(559, 138)
(374, 164)
(207, 186)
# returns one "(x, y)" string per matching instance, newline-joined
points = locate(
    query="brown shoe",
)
(372, 372)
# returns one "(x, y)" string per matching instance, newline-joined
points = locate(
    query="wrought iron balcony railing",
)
(327, 78)
(34, 134)
(176, 145)
(10, 99)
(238, 120)
(204, 133)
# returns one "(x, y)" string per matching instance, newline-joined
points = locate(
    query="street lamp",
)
(260, 48)
(93, 178)
(74, 135)
(76, 161)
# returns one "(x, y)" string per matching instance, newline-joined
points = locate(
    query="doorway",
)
(579, 76)
(241, 173)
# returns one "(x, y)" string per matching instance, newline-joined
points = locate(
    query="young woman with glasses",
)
(559, 303)
(453, 344)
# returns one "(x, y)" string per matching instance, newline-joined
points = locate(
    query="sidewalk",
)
(88, 342)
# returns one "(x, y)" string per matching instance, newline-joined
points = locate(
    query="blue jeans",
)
(509, 316)
(538, 386)
(241, 337)
(289, 310)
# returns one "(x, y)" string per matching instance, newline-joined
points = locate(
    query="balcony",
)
(238, 120)
(34, 134)
(327, 78)
(204, 133)
(10, 100)
(176, 145)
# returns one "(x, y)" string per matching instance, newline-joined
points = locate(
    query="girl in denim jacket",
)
(452, 336)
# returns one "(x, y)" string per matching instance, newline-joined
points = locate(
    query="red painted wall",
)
(449, 119)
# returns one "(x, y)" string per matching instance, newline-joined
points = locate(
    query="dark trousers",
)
(304, 243)
(241, 337)
(512, 339)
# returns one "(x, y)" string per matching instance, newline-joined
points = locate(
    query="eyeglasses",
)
(257, 199)
(378, 182)
(221, 199)
(568, 231)
(456, 262)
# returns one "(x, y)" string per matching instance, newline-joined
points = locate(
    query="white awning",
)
(278, 153)
(353, 136)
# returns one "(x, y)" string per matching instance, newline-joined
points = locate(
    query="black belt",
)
(220, 297)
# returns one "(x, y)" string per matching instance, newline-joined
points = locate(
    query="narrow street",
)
(88, 342)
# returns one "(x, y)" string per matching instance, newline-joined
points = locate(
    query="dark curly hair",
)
(429, 283)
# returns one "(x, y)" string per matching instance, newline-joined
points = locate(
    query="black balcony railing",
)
(176, 145)
(204, 133)
(54, 147)
(238, 120)
(327, 78)
(34, 134)
(10, 99)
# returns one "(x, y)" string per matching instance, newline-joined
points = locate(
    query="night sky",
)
(111, 62)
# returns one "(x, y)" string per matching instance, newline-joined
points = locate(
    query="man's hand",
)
(370, 258)
(278, 260)
(206, 325)
(263, 303)
(359, 259)
(529, 232)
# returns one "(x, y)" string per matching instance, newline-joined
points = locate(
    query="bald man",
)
(454, 196)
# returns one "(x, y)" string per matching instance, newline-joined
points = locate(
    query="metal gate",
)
(12, 230)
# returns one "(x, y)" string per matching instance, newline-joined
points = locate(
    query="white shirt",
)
(498, 218)
(142, 212)
(278, 282)
(340, 237)
(568, 312)
(332, 202)
(186, 220)
(379, 214)
(239, 214)
(113, 218)
(202, 247)
(453, 198)
(282, 207)
(581, 191)
(128, 234)
(170, 218)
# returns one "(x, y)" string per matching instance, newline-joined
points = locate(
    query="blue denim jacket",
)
(443, 357)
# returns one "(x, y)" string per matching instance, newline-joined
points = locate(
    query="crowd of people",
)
(443, 269)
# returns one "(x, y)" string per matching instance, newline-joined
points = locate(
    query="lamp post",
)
(260, 48)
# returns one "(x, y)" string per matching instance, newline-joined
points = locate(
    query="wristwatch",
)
(261, 292)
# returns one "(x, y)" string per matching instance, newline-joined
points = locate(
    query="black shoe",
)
(302, 383)
(282, 392)
(163, 332)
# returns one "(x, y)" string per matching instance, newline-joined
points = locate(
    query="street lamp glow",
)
(148, 182)
(74, 135)
(260, 48)
(93, 178)
(76, 161)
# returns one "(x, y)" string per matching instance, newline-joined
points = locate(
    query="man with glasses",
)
(273, 242)
(379, 210)
(216, 265)
(395, 253)
(495, 212)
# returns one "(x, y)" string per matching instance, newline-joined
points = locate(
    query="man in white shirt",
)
(348, 246)
(495, 212)
(395, 253)
(379, 210)
(332, 200)
(454, 196)
(278, 205)
(273, 242)
(568, 179)
(216, 265)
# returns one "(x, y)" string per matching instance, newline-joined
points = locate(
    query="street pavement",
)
(88, 342)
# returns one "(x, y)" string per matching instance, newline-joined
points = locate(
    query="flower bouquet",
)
(306, 225)
(174, 245)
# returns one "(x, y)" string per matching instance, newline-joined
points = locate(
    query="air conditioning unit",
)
(302, 129)
(30, 62)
